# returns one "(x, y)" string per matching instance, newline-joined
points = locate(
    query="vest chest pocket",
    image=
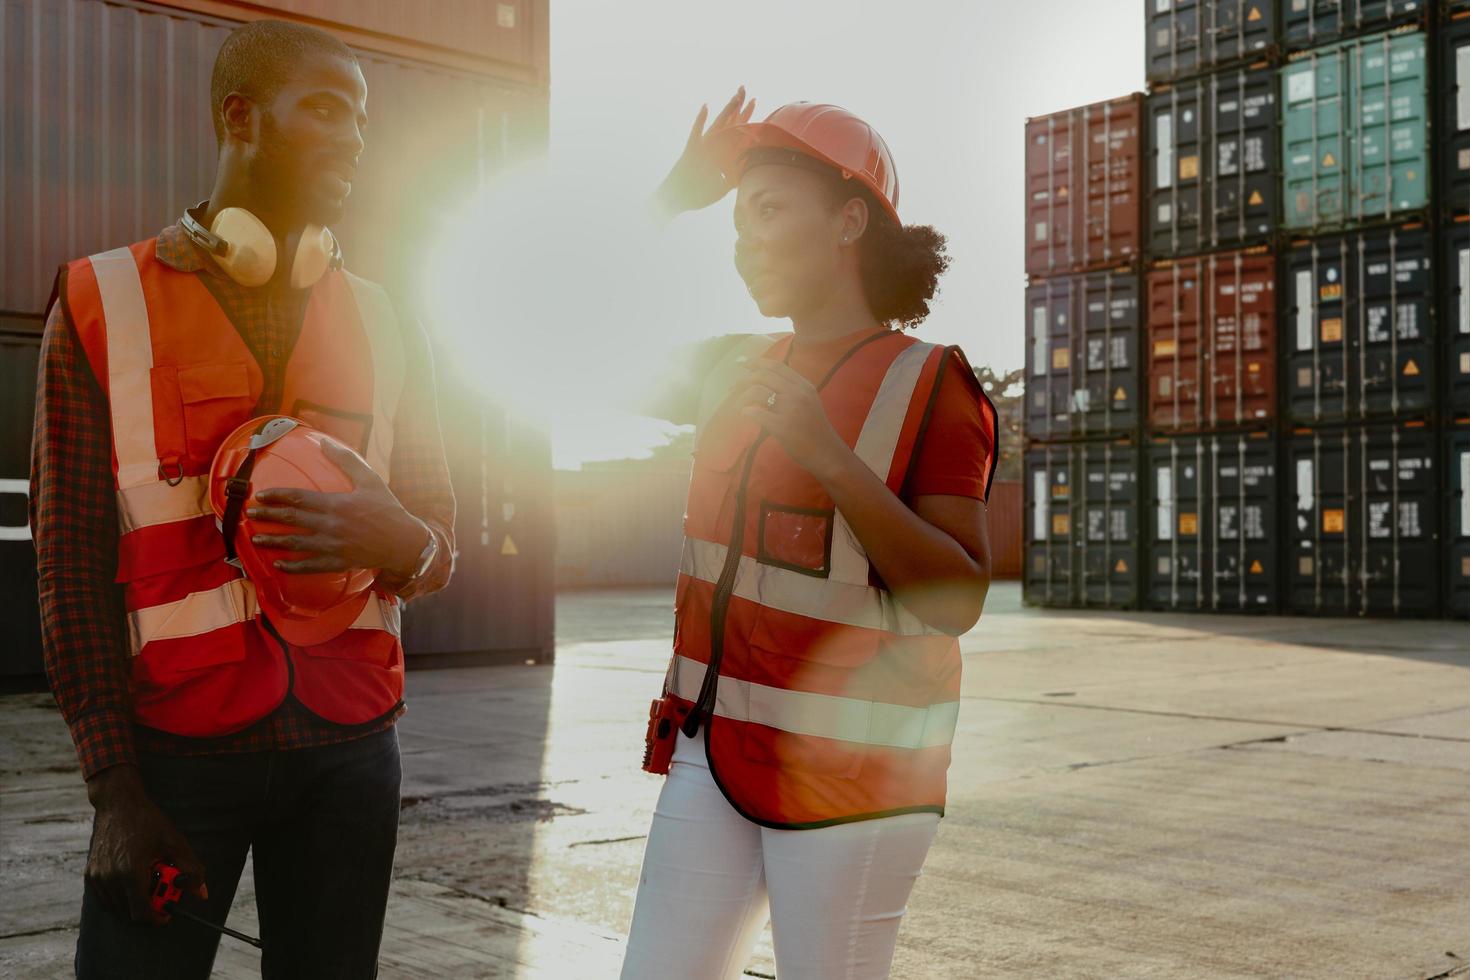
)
(795, 538)
(352, 429)
(211, 400)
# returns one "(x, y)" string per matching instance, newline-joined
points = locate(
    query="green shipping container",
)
(1355, 119)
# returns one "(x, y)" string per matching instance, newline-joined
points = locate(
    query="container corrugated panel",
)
(1186, 37)
(508, 32)
(20, 632)
(104, 117)
(1457, 523)
(1346, 156)
(1454, 317)
(1084, 187)
(1213, 178)
(1363, 504)
(620, 525)
(105, 124)
(1359, 338)
(501, 601)
(1452, 120)
(1082, 525)
(1211, 518)
(1211, 341)
(1308, 23)
(1004, 514)
(1082, 359)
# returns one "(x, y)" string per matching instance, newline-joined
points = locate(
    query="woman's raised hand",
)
(696, 181)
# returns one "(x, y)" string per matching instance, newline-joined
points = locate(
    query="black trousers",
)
(320, 824)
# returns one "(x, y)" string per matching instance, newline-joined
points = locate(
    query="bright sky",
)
(949, 84)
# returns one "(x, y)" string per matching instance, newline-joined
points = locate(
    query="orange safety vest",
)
(178, 379)
(829, 701)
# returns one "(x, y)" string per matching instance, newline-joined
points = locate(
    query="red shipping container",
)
(1211, 341)
(1084, 187)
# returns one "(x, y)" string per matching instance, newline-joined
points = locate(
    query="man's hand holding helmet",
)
(365, 527)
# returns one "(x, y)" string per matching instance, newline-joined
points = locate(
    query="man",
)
(198, 732)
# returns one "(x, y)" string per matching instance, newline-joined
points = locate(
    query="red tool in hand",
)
(165, 897)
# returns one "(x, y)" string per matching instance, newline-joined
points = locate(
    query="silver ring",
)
(771, 401)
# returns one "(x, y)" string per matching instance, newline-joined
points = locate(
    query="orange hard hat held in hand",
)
(271, 452)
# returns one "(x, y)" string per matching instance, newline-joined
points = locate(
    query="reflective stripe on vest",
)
(802, 594)
(234, 602)
(194, 615)
(876, 445)
(897, 726)
(158, 503)
(129, 367)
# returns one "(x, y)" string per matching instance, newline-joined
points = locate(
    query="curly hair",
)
(900, 265)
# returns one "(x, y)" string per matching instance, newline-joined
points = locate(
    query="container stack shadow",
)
(1294, 352)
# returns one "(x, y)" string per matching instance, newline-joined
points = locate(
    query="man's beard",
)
(280, 180)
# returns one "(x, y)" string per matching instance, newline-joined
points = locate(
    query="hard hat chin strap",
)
(237, 487)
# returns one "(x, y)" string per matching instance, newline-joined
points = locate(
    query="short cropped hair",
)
(257, 60)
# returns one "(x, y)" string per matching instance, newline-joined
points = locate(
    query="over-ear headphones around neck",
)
(245, 249)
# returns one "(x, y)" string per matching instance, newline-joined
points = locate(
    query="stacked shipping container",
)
(1305, 430)
(1213, 183)
(1210, 331)
(1358, 349)
(1084, 240)
(1453, 135)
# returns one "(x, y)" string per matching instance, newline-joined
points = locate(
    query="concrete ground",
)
(1133, 795)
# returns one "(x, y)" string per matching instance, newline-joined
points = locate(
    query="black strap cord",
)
(237, 487)
(237, 491)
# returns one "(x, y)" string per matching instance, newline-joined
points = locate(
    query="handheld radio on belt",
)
(664, 718)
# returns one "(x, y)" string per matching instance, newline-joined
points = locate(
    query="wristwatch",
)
(426, 557)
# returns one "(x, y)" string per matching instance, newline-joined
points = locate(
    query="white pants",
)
(711, 878)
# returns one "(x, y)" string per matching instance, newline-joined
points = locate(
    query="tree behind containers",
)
(1008, 393)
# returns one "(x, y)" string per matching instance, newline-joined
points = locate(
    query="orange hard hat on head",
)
(828, 133)
(266, 453)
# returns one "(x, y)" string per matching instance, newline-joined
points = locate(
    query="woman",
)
(835, 547)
